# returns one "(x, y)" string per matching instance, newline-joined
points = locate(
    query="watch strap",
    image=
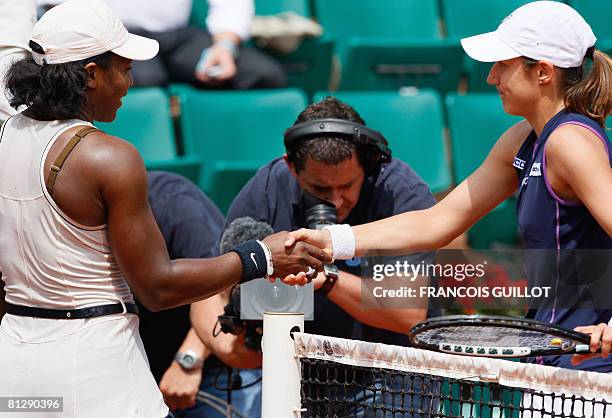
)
(328, 284)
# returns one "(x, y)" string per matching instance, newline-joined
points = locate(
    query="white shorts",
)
(98, 366)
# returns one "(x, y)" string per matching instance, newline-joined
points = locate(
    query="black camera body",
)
(231, 323)
(318, 212)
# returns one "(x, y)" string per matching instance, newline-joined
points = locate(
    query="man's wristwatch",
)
(331, 276)
(188, 360)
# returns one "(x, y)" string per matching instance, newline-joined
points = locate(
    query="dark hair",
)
(327, 149)
(51, 91)
(587, 92)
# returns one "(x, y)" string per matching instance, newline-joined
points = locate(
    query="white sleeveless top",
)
(97, 365)
(47, 259)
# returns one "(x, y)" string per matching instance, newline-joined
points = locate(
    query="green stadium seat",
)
(413, 125)
(465, 18)
(599, 15)
(199, 11)
(475, 122)
(471, 17)
(406, 19)
(145, 121)
(235, 133)
(309, 67)
(605, 46)
(271, 7)
(384, 63)
(390, 45)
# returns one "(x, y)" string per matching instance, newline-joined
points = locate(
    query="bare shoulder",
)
(111, 153)
(112, 162)
(516, 135)
(111, 149)
(575, 142)
(511, 141)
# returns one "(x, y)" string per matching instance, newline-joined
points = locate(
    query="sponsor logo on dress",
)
(518, 163)
(536, 170)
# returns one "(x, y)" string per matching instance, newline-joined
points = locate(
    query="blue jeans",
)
(246, 401)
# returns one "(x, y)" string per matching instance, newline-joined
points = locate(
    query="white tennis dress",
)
(47, 260)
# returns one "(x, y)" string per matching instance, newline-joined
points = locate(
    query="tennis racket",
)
(496, 336)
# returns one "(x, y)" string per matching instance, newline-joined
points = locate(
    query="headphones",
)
(375, 145)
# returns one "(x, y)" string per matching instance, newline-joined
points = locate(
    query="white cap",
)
(80, 29)
(542, 30)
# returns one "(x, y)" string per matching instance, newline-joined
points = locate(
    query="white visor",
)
(138, 48)
(487, 47)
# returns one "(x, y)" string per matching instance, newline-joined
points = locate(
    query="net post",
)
(281, 374)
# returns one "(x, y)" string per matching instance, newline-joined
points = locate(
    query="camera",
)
(249, 301)
(318, 212)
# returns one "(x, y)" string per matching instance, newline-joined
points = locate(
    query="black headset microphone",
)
(375, 145)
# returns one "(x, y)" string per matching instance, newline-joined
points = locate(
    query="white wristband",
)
(268, 253)
(343, 241)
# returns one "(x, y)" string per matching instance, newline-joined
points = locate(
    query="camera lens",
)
(275, 296)
(318, 212)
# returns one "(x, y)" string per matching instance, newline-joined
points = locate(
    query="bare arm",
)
(493, 182)
(230, 349)
(578, 168)
(139, 247)
(356, 297)
(180, 386)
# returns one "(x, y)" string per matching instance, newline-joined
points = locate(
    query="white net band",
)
(547, 379)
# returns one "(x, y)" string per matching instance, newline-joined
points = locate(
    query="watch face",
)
(330, 270)
(188, 361)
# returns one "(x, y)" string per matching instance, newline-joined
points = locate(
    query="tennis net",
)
(348, 378)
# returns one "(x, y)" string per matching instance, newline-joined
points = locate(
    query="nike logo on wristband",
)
(254, 261)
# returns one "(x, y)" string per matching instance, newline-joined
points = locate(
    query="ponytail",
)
(590, 95)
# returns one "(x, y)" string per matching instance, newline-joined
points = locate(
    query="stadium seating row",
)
(387, 45)
(226, 136)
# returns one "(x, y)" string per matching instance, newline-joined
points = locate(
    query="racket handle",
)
(582, 348)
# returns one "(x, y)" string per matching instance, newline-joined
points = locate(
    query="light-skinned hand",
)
(601, 335)
(180, 387)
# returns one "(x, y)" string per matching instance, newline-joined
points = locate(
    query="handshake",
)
(294, 257)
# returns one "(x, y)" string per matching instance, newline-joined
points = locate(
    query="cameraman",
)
(332, 168)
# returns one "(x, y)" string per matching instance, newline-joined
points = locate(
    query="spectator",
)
(213, 58)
